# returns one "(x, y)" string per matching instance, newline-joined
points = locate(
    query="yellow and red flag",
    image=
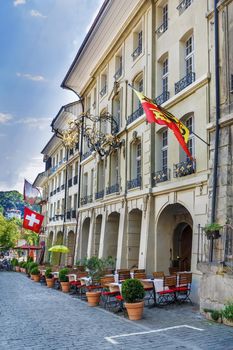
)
(159, 115)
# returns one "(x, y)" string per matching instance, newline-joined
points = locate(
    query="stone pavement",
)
(33, 317)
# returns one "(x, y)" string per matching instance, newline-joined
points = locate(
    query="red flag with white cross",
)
(32, 220)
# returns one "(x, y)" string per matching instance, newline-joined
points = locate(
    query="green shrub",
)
(62, 275)
(95, 267)
(48, 273)
(24, 265)
(31, 265)
(212, 227)
(14, 262)
(29, 259)
(35, 271)
(215, 315)
(132, 290)
(228, 312)
(21, 263)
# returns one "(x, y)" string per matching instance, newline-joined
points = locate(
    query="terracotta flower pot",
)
(50, 282)
(135, 310)
(65, 286)
(36, 278)
(93, 298)
(17, 268)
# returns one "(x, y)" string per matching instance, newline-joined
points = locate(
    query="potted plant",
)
(95, 268)
(212, 230)
(14, 263)
(49, 278)
(133, 294)
(30, 266)
(227, 314)
(24, 266)
(64, 280)
(35, 273)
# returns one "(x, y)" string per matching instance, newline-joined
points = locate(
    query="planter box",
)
(227, 322)
(208, 317)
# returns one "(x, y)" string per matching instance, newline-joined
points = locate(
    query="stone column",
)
(91, 235)
(103, 234)
(122, 235)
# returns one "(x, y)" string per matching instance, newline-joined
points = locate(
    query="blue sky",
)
(39, 40)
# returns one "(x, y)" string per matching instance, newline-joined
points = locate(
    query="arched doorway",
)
(70, 245)
(111, 236)
(97, 231)
(174, 238)
(133, 237)
(85, 238)
(182, 246)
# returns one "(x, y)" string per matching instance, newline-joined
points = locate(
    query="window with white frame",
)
(164, 149)
(165, 76)
(116, 110)
(114, 169)
(118, 65)
(165, 17)
(190, 144)
(103, 84)
(138, 159)
(85, 184)
(92, 182)
(189, 55)
(138, 85)
(100, 176)
(88, 105)
(137, 42)
(94, 99)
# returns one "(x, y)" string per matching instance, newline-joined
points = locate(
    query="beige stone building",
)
(142, 203)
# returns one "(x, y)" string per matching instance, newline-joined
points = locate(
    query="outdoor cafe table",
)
(55, 274)
(72, 277)
(42, 272)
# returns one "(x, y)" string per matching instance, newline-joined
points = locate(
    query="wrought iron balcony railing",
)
(112, 189)
(134, 183)
(68, 214)
(55, 191)
(162, 98)
(161, 29)
(71, 151)
(137, 52)
(184, 82)
(99, 194)
(86, 154)
(103, 91)
(118, 73)
(58, 189)
(86, 199)
(184, 168)
(51, 193)
(135, 115)
(183, 5)
(75, 180)
(160, 176)
(70, 182)
(62, 187)
(73, 214)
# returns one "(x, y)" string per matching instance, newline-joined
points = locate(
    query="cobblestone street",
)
(35, 317)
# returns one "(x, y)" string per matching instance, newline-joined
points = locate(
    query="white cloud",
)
(31, 77)
(35, 13)
(19, 2)
(29, 172)
(38, 123)
(4, 118)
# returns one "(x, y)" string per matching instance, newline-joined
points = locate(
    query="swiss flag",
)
(32, 220)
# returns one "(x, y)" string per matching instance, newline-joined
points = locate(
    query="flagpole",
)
(200, 138)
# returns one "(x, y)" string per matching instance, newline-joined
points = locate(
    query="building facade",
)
(144, 202)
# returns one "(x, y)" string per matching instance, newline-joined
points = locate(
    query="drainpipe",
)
(79, 170)
(217, 128)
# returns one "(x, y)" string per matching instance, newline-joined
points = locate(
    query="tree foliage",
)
(9, 233)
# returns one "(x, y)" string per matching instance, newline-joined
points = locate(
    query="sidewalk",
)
(34, 317)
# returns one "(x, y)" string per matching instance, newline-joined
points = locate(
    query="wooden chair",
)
(123, 276)
(138, 270)
(168, 294)
(159, 274)
(173, 270)
(123, 270)
(140, 275)
(183, 289)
